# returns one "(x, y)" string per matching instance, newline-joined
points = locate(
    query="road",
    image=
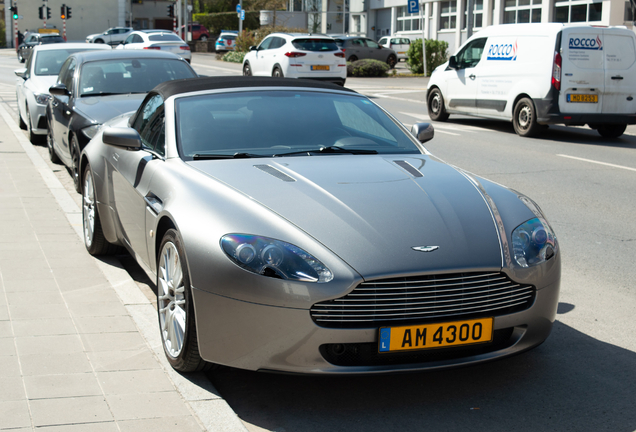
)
(581, 378)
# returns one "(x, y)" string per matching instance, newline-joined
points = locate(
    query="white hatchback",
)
(297, 56)
(399, 44)
(157, 40)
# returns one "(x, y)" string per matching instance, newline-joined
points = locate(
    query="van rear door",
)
(620, 72)
(582, 74)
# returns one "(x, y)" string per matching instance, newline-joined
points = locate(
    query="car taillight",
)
(556, 71)
(294, 54)
(342, 49)
(339, 54)
(185, 47)
(153, 47)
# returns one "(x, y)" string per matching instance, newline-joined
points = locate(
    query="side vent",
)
(408, 168)
(275, 172)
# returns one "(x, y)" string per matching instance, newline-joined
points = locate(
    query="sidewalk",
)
(79, 343)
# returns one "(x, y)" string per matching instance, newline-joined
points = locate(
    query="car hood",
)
(42, 83)
(103, 108)
(373, 210)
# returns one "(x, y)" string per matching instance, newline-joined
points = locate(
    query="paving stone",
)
(50, 364)
(125, 382)
(113, 341)
(164, 424)
(147, 405)
(14, 414)
(56, 344)
(61, 386)
(140, 359)
(90, 409)
(44, 327)
(109, 324)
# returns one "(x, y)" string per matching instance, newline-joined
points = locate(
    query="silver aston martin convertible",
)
(296, 226)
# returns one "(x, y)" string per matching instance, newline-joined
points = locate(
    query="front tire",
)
(35, 139)
(611, 131)
(247, 70)
(203, 38)
(21, 58)
(524, 119)
(49, 143)
(94, 240)
(278, 73)
(99, 41)
(175, 306)
(436, 108)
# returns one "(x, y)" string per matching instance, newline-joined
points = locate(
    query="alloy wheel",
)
(172, 300)
(88, 210)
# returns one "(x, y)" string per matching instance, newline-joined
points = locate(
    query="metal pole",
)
(239, 17)
(423, 37)
(15, 32)
(469, 20)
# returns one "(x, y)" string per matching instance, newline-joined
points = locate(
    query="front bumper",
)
(259, 337)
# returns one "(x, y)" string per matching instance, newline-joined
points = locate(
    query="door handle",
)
(472, 77)
(617, 77)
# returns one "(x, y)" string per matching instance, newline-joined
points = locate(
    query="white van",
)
(539, 74)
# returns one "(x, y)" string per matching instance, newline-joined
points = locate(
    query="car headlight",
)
(533, 242)
(274, 258)
(91, 131)
(42, 99)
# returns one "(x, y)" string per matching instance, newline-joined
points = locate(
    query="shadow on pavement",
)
(571, 382)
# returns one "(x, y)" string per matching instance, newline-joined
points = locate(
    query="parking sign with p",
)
(414, 6)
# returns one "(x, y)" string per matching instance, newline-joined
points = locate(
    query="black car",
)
(33, 39)
(94, 87)
(356, 48)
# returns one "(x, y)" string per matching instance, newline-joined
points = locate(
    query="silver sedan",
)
(296, 226)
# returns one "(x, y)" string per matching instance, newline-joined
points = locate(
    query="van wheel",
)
(525, 119)
(436, 108)
(611, 131)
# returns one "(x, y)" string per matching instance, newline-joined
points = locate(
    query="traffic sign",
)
(238, 8)
(414, 6)
(243, 15)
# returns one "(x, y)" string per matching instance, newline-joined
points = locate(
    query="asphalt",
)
(80, 348)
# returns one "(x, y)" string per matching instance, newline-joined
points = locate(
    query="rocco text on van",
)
(586, 43)
(504, 51)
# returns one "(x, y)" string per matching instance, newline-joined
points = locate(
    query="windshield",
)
(164, 37)
(315, 44)
(121, 76)
(52, 39)
(50, 62)
(285, 122)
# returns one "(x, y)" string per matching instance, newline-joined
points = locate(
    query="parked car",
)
(34, 39)
(541, 74)
(226, 41)
(296, 226)
(157, 40)
(32, 87)
(113, 36)
(199, 32)
(93, 87)
(297, 56)
(399, 44)
(356, 47)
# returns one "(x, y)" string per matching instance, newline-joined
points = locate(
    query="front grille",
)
(366, 354)
(424, 299)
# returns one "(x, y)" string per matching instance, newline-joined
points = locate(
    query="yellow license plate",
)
(585, 98)
(401, 52)
(428, 336)
(320, 67)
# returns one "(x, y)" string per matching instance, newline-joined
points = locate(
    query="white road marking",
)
(445, 132)
(598, 162)
(379, 95)
(234, 71)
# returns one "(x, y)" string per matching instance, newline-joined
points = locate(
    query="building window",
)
(448, 15)
(629, 13)
(577, 11)
(522, 11)
(407, 21)
(478, 12)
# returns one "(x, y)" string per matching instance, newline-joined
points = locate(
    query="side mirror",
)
(423, 131)
(253, 48)
(127, 138)
(20, 72)
(452, 62)
(59, 89)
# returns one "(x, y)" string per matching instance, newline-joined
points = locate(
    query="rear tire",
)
(278, 73)
(175, 307)
(353, 58)
(524, 119)
(203, 38)
(436, 108)
(392, 61)
(611, 131)
(75, 154)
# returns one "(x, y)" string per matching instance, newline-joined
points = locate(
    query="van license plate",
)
(320, 67)
(585, 98)
(427, 336)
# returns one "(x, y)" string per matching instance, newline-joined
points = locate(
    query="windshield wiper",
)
(329, 150)
(226, 156)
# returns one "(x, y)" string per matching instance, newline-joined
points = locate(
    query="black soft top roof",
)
(171, 88)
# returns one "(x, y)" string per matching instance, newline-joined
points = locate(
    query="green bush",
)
(234, 56)
(436, 54)
(367, 68)
(3, 42)
(215, 22)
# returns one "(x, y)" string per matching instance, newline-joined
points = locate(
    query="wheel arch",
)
(165, 223)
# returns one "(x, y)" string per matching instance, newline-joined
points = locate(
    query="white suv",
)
(297, 56)
(399, 44)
